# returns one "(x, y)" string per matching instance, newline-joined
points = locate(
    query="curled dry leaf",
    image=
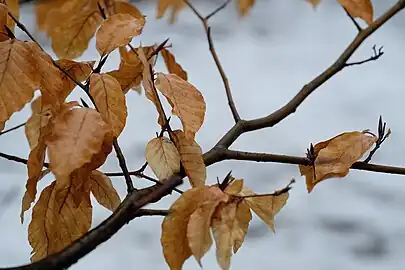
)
(186, 101)
(19, 77)
(175, 5)
(174, 240)
(71, 26)
(334, 157)
(245, 6)
(171, 64)
(77, 136)
(130, 71)
(42, 9)
(198, 228)
(163, 157)
(149, 86)
(110, 101)
(359, 9)
(116, 31)
(51, 230)
(191, 157)
(103, 190)
(240, 225)
(266, 207)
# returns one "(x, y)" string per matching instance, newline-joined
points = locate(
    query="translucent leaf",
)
(163, 157)
(334, 157)
(103, 190)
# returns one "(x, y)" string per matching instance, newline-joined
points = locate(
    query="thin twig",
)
(358, 27)
(382, 136)
(123, 165)
(277, 116)
(376, 55)
(204, 21)
(11, 129)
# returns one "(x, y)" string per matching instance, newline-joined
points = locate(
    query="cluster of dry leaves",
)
(77, 139)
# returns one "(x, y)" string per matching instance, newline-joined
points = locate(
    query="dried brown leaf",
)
(191, 157)
(335, 156)
(198, 229)
(163, 157)
(174, 240)
(14, 8)
(359, 9)
(71, 26)
(116, 31)
(244, 6)
(240, 225)
(222, 227)
(3, 22)
(110, 101)
(186, 101)
(51, 229)
(175, 5)
(266, 207)
(77, 136)
(42, 9)
(123, 7)
(18, 77)
(103, 190)
(130, 71)
(172, 65)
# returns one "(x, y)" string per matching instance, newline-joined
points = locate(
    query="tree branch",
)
(128, 210)
(11, 129)
(204, 21)
(277, 116)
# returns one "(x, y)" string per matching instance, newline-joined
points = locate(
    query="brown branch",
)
(277, 116)
(128, 210)
(204, 21)
(356, 24)
(226, 154)
(123, 166)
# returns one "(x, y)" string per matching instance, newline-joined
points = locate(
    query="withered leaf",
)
(130, 71)
(116, 31)
(103, 190)
(222, 228)
(3, 22)
(163, 157)
(71, 26)
(42, 9)
(77, 135)
(110, 101)
(245, 6)
(174, 240)
(266, 207)
(18, 77)
(198, 229)
(334, 157)
(14, 8)
(117, 7)
(359, 9)
(172, 65)
(175, 5)
(51, 230)
(241, 224)
(191, 157)
(186, 101)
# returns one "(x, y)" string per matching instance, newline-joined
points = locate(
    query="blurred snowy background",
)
(352, 223)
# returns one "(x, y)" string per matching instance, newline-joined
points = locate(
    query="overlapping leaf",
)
(186, 230)
(334, 157)
(130, 71)
(14, 8)
(163, 157)
(175, 5)
(186, 101)
(110, 101)
(103, 190)
(172, 65)
(116, 31)
(77, 136)
(359, 9)
(191, 158)
(3, 22)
